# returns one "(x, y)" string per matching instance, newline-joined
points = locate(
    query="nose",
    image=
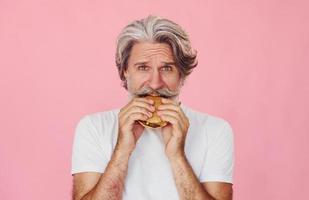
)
(155, 81)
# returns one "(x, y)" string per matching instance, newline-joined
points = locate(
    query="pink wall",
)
(57, 64)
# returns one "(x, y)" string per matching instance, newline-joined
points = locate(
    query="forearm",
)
(187, 183)
(111, 183)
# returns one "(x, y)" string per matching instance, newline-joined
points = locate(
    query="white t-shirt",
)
(209, 149)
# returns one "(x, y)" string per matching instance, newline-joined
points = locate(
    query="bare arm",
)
(108, 186)
(187, 183)
(219, 190)
(189, 187)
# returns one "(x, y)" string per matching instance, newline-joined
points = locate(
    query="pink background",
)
(57, 64)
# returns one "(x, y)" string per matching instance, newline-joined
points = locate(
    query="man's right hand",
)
(129, 130)
(94, 185)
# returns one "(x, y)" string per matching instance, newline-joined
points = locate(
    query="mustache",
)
(162, 92)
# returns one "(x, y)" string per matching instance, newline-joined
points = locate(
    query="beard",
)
(162, 92)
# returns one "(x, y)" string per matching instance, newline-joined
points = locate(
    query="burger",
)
(154, 121)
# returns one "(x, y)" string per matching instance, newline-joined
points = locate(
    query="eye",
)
(167, 68)
(143, 68)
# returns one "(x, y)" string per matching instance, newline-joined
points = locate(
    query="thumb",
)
(166, 133)
(137, 130)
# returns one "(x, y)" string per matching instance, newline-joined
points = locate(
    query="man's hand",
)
(129, 129)
(110, 184)
(174, 134)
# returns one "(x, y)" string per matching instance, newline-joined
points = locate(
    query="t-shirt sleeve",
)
(87, 154)
(219, 162)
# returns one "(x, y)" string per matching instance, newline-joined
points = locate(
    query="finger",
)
(148, 107)
(172, 107)
(184, 121)
(171, 101)
(130, 119)
(168, 134)
(172, 120)
(169, 106)
(171, 113)
(137, 109)
(139, 103)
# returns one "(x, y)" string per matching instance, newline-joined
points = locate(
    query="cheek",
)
(171, 81)
(137, 80)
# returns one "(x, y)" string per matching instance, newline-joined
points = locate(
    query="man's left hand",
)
(174, 133)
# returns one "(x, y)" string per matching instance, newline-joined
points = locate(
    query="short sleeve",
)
(219, 162)
(87, 154)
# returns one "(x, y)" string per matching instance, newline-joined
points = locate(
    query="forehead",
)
(148, 50)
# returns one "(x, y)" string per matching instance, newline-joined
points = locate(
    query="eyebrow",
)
(169, 63)
(140, 63)
(166, 63)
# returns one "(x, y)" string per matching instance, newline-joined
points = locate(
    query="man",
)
(116, 157)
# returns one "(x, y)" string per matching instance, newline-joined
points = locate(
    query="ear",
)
(182, 81)
(126, 73)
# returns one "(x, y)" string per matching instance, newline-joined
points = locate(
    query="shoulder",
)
(98, 118)
(204, 118)
(98, 121)
(212, 125)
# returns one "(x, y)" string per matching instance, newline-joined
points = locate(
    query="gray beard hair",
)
(163, 92)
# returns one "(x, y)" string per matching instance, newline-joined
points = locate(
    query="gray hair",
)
(160, 30)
